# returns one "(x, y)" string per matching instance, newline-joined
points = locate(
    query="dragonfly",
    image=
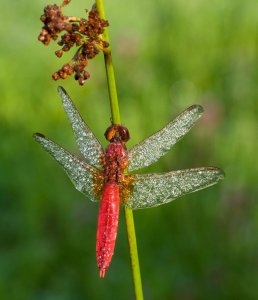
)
(100, 174)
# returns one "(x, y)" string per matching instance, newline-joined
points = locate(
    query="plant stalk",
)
(115, 114)
(116, 120)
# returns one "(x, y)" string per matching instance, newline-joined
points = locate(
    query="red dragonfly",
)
(100, 174)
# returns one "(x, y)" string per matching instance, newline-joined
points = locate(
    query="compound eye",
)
(124, 134)
(110, 133)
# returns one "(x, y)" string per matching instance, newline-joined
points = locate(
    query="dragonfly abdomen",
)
(107, 226)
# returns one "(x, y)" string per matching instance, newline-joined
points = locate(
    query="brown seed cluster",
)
(78, 32)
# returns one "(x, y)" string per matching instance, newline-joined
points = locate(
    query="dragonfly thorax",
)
(115, 161)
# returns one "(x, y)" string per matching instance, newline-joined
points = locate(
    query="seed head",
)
(85, 34)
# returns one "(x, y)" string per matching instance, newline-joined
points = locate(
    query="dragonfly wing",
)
(87, 142)
(83, 176)
(155, 146)
(155, 189)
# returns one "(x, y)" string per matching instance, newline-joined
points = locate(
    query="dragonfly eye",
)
(124, 133)
(117, 133)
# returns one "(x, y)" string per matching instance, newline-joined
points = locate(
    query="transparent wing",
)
(155, 146)
(81, 174)
(155, 189)
(87, 142)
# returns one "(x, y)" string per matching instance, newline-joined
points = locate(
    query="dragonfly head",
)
(117, 133)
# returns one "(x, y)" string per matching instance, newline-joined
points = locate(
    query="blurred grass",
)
(167, 57)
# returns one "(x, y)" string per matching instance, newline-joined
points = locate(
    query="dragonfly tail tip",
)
(102, 273)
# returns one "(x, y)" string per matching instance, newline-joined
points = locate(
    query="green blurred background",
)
(167, 55)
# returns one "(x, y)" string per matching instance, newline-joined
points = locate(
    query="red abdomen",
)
(107, 226)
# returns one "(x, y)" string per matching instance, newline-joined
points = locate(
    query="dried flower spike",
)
(86, 34)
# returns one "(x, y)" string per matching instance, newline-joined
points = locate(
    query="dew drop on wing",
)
(152, 148)
(150, 190)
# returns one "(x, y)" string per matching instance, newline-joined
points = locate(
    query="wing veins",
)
(151, 190)
(158, 144)
(88, 144)
(82, 175)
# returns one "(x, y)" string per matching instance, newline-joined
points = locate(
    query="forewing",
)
(158, 144)
(155, 189)
(82, 175)
(87, 142)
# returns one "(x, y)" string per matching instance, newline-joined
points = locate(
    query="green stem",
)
(116, 120)
(109, 70)
(133, 254)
